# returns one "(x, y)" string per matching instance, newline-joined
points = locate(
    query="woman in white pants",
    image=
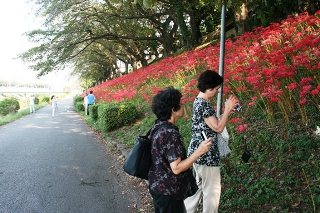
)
(207, 167)
(54, 105)
(31, 104)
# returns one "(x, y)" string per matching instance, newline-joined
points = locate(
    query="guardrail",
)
(28, 90)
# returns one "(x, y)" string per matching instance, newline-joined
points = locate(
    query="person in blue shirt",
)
(91, 100)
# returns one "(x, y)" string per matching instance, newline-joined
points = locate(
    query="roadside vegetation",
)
(275, 73)
(13, 108)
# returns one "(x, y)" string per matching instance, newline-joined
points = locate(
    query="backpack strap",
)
(153, 129)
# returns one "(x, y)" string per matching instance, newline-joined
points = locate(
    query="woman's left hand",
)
(205, 146)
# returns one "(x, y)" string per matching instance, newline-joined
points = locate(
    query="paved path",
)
(55, 164)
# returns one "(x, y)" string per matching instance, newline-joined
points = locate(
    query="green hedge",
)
(114, 115)
(93, 111)
(78, 103)
(77, 99)
(36, 100)
(79, 106)
(9, 105)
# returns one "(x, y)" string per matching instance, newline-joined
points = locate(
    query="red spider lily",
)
(303, 101)
(147, 97)
(240, 89)
(155, 90)
(314, 92)
(242, 128)
(292, 86)
(305, 81)
(252, 103)
(254, 98)
(235, 120)
(305, 90)
(272, 93)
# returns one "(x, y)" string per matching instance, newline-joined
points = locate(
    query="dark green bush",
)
(114, 115)
(128, 113)
(79, 106)
(36, 100)
(78, 103)
(93, 111)
(107, 114)
(77, 99)
(9, 105)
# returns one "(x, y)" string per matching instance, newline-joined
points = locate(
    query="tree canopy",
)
(95, 35)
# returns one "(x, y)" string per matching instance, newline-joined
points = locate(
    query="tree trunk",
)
(143, 61)
(240, 18)
(178, 6)
(195, 21)
(127, 68)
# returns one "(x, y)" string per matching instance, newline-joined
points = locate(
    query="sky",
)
(16, 18)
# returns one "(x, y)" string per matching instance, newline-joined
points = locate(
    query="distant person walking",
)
(85, 104)
(54, 105)
(31, 104)
(91, 100)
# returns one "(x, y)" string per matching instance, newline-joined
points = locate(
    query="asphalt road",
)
(55, 164)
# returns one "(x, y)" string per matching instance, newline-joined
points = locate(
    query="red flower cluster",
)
(268, 63)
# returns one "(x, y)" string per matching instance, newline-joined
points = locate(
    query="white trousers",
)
(86, 109)
(32, 109)
(209, 183)
(54, 110)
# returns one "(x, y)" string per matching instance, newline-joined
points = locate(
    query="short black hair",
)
(164, 102)
(91, 91)
(209, 79)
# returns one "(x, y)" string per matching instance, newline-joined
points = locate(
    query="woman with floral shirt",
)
(169, 174)
(207, 167)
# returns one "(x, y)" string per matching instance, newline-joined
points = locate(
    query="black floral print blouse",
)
(203, 109)
(167, 146)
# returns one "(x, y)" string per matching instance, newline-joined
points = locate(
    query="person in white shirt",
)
(85, 103)
(54, 104)
(31, 104)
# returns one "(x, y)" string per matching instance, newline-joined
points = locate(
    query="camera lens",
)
(237, 107)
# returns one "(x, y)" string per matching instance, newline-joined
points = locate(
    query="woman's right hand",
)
(205, 146)
(230, 103)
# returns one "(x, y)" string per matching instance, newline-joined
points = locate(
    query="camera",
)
(246, 155)
(237, 107)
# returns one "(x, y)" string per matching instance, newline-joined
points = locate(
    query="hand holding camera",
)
(237, 107)
(206, 144)
(232, 104)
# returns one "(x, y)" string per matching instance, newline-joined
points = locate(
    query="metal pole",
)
(221, 60)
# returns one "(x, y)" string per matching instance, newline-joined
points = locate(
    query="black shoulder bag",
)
(246, 155)
(139, 159)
